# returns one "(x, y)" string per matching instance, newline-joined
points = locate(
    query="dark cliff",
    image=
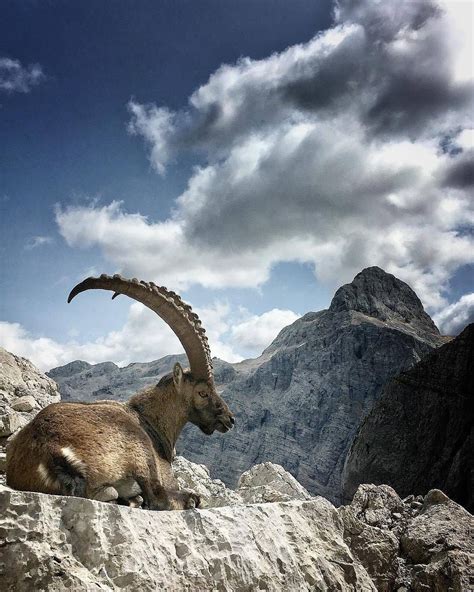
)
(420, 434)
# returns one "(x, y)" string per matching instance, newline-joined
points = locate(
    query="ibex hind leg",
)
(71, 480)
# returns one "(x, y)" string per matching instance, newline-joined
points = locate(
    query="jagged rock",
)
(367, 531)
(440, 538)
(57, 543)
(420, 434)
(19, 378)
(194, 477)
(432, 550)
(268, 482)
(10, 421)
(24, 390)
(262, 484)
(300, 403)
(25, 403)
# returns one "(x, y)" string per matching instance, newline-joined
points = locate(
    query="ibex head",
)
(206, 408)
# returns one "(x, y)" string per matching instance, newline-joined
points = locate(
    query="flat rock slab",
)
(60, 543)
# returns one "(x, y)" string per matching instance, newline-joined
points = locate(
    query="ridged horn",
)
(169, 306)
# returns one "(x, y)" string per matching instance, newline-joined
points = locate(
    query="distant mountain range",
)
(301, 402)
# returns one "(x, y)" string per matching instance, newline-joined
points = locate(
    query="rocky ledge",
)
(378, 542)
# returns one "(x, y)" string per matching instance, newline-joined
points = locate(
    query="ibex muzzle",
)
(111, 451)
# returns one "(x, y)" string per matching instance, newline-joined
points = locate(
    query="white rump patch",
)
(72, 457)
(46, 477)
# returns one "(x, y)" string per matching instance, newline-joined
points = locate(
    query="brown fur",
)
(84, 448)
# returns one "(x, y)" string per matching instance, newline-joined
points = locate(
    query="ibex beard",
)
(122, 452)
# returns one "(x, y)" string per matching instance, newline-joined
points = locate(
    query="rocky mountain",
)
(90, 382)
(300, 403)
(420, 433)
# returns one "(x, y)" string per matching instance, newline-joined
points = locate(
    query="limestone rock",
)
(262, 484)
(19, 378)
(420, 434)
(196, 478)
(57, 543)
(10, 421)
(301, 402)
(368, 524)
(268, 482)
(24, 390)
(26, 403)
(440, 538)
(427, 548)
(377, 542)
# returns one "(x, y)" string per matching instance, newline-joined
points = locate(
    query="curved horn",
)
(169, 306)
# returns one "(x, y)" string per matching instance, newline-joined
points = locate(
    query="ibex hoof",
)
(135, 502)
(193, 501)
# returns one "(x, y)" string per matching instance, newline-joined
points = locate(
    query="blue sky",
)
(251, 155)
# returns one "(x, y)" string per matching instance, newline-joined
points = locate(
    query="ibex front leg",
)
(157, 497)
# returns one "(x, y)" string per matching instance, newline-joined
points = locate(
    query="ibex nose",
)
(232, 420)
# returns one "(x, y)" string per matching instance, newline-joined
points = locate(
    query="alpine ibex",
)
(113, 451)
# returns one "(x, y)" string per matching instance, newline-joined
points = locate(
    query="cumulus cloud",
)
(232, 336)
(345, 151)
(133, 342)
(456, 316)
(256, 332)
(17, 78)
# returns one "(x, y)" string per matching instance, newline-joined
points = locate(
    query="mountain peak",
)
(381, 295)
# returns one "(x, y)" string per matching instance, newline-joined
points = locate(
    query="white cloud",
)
(144, 338)
(133, 342)
(330, 152)
(38, 241)
(17, 78)
(452, 319)
(256, 332)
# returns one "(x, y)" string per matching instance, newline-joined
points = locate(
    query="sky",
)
(251, 155)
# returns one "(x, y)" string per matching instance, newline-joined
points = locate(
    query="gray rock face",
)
(420, 434)
(379, 543)
(300, 403)
(81, 381)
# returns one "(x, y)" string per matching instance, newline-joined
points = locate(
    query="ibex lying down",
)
(112, 451)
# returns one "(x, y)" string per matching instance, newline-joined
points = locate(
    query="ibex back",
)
(112, 451)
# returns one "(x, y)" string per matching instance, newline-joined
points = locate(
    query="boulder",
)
(60, 543)
(194, 477)
(269, 482)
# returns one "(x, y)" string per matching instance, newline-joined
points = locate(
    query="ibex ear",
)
(178, 377)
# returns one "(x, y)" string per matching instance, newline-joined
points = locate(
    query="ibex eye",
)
(203, 394)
